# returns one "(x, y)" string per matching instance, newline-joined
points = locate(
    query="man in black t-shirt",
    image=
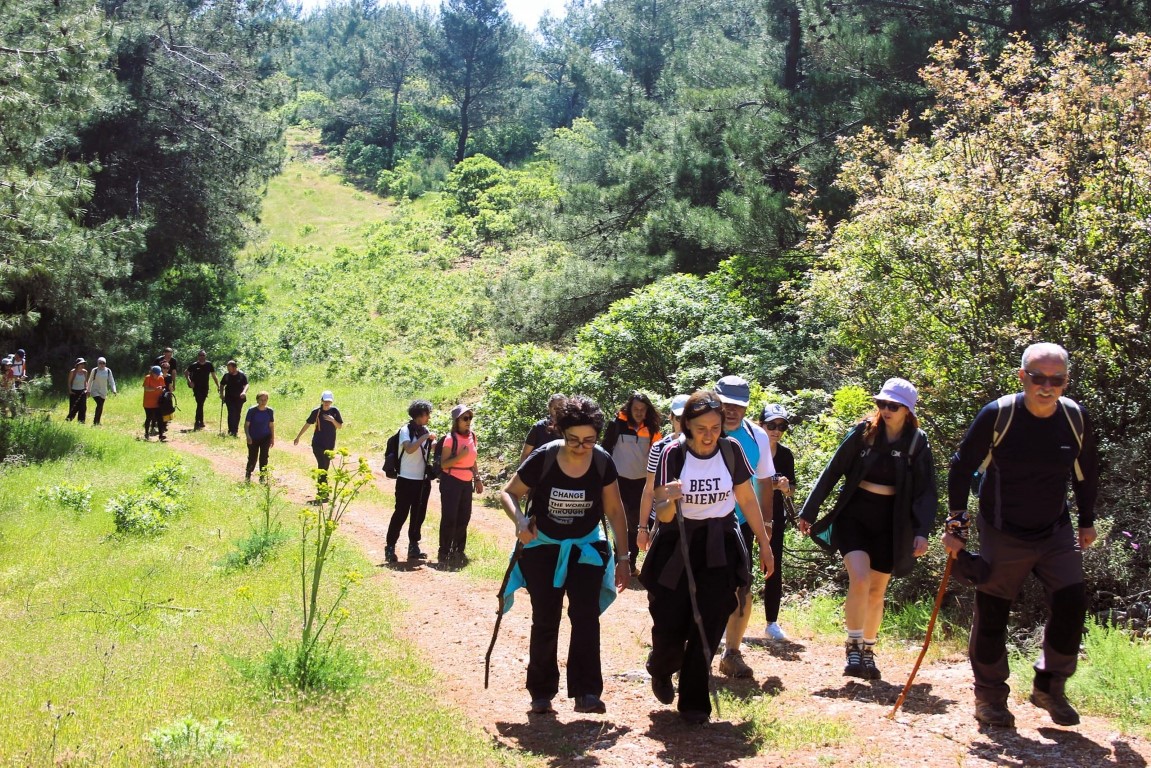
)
(1025, 527)
(197, 376)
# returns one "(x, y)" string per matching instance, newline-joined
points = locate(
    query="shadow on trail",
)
(784, 650)
(920, 700)
(564, 744)
(719, 743)
(1006, 746)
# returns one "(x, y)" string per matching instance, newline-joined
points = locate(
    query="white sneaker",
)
(775, 632)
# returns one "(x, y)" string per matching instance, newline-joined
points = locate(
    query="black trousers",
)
(411, 499)
(200, 396)
(153, 418)
(258, 450)
(235, 407)
(78, 405)
(99, 409)
(773, 585)
(675, 641)
(582, 588)
(455, 514)
(631, 491)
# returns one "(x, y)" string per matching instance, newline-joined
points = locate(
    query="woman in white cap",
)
(882, 516)
(775, 420)
(458, 482)
(325, 422)
(78, 391)
(100, 383)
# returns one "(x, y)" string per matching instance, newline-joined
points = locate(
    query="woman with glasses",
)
(628, 439)
(571, 487)
(697, 569)
(775, 420)
(459, 481)
(882, 516)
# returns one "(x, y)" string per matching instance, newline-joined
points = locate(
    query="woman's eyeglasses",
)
(887, 405)
(1039, 380)
(701, 407)
(575, 442)
(776, 426)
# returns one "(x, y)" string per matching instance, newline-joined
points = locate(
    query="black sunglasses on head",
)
(1040, 380)
(700, 407)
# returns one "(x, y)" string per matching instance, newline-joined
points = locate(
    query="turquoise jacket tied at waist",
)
(588, 555)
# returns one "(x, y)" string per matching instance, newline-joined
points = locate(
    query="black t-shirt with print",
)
(565, 507)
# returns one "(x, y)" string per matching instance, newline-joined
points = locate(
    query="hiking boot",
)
(662, 687)
(994, 714)
(414, 552)
(247, 477)
(732, 664)
(542, 707)
(694, 717)
(390, 555)
(775, 633)
(1057, 705)
(591, 703)
(870, 671)
(854, 666)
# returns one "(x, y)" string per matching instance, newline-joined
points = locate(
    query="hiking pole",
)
(220, 425)
(926, 640)
(695, 614)
(789, 510)
(500, 612)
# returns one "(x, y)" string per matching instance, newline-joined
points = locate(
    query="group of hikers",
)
(703, 498)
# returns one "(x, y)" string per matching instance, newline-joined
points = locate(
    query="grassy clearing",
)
(772, 725)
(111, 638)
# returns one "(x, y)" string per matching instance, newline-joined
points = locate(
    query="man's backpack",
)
(435, 466)
(392, 455)
(1003, 417)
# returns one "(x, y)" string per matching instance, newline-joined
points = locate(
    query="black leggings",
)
(258, 449)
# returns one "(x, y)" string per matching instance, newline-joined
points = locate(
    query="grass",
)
(772, 726)
(109, 638)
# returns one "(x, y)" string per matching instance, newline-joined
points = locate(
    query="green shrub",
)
(144, 513)
(77, 498)
(187, 741)
(288, 669)
(167, 477)
(35, 439)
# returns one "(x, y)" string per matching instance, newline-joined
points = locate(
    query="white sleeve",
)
(765, 469)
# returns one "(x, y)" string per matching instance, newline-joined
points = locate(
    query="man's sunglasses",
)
(700, 407)
(887, 405)
(776, 426)
(1040, 380)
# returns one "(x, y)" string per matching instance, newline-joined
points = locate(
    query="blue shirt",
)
(259, 423)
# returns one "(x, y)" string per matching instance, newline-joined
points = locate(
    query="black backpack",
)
(392, 455)
(435, 466)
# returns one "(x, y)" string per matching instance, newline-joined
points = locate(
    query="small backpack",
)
(1003, 418)
(392, 455)
(435, 466)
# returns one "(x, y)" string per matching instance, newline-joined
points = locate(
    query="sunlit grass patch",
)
(772, 725)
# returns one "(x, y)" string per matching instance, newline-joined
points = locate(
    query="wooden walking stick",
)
(926, 640)
(500, 611)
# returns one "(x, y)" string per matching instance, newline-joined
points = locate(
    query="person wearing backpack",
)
(697, 569)
(775, 420)
(100, 383)
(458, 482)
(1031, 445)
(629, 438)
(413, 449)
(544, 430)
(882, 515)
(572, 486)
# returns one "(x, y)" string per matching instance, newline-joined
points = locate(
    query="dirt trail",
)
(450, 620)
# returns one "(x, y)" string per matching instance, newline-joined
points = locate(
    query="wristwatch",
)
(622, 557)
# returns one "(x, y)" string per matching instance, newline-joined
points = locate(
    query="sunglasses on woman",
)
(887, 405)
(776, 426)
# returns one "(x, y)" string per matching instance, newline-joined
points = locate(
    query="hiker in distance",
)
(197, 375)
(458, 482)
(697, 570)
(735, 394)
(1029, 445)
(571, 486)
(78, 391)
(100, 383)
(882, 516)
(325, 422)
(260, 434)
(154, 387)
(775, 420)
(413, 486)
(234, 393)
(544, 430)
(628, 438)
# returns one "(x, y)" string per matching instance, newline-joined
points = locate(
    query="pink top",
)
(463, 469)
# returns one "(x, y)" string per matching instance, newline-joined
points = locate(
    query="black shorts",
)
(867, 524)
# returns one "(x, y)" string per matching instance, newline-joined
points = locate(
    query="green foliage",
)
(187, 741)
(771, 725)
(149, 510)
(35, 439)
(266, 535)
(77, 498)
(167, 477)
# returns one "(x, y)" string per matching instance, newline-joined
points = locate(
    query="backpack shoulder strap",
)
(550, 454)
(728, 455)
(600, 459)
(1075, 418)
(1003, 416)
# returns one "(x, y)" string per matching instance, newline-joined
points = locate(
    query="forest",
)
(643, 193)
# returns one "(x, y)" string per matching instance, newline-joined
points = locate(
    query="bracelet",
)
(643, 530)
(622, 557)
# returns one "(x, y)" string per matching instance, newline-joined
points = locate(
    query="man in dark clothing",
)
(197, 376)
(234, 393)
(1033, 443)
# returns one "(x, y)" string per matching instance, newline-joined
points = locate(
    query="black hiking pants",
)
(411, 499)
(455, 514)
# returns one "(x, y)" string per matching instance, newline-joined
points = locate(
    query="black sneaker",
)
(854, 666)
(414, 553)
(662, 687)
(542, 707)
(1057, 705)
(390, 555)
(589, 702)
(870, 671)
